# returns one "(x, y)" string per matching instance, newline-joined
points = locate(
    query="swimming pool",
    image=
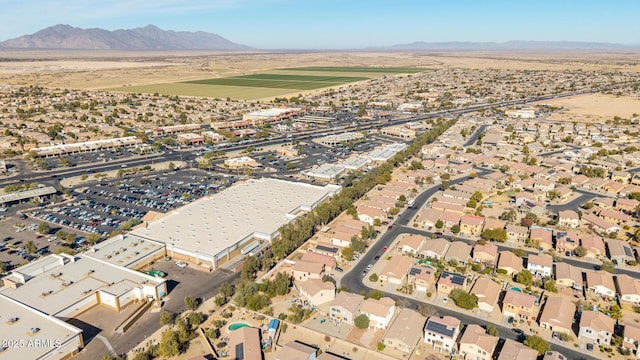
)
(236, 326)
(515, 288)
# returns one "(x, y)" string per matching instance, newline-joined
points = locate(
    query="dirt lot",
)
(595, 108)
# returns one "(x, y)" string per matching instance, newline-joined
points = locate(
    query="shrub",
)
(361, 321)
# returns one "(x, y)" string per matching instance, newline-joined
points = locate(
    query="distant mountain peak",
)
(150, 37)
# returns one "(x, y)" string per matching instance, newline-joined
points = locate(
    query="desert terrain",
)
(104, 70)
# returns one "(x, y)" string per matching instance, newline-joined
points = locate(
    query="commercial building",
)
(95, 145)
(273, 113)
(213, 229)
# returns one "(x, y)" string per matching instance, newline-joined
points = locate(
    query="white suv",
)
(181, 264)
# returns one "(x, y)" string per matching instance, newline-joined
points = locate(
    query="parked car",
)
(181, 264)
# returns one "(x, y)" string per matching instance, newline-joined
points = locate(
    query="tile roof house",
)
(410, 243)
(405, 331)
(434, 249)
(627, 205)
(599, 224)
(244, 343)
(488, 291)
(476, 344)
(631, 339)
(543, 236)
(379, 312)
(421, 277)
(395, 270)
(614, 216)
(568, 276)
(294, 350)
(596, 327)
(517, 232)
(568, 218)
(345, 307)
(449, 281)
(628, 289)
(493, 223)
(567, 241)
(510, 262)
(459, 251)
(619, 251)
(519, 305)
(442, 333)
(471, 224)
(316, 291)
(601, 283)
(304, 270)
(557, 314)
(594, 246)
(328, 261)
(540, 265)
(512, 350)
(486, 253)
(428, 217)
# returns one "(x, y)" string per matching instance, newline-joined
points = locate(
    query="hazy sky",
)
(341, 24)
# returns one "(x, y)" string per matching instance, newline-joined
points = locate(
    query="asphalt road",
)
(472, 140)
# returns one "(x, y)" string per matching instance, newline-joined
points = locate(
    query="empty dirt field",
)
(594, 108)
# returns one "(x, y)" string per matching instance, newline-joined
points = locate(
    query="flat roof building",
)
(213, 228)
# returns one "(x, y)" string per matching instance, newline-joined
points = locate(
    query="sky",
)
(341, 24)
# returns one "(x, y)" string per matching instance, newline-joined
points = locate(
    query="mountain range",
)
(150, 37)
(514, 45)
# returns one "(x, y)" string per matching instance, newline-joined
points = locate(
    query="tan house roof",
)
(493, 223)
(294, 350)
(308, 267)
(518, 299)
(477, 335)
(472, 220)
(568, 214)
(486, 250)
(407, 327)
(558, 312)
(348, 301)
(328, 261)
(600, 278)
(413, 241)
(510, 260)
(315, 286)
(512, 350)
(628, 285)
(566, 271)
(248, 338)
(487, 290)
(597, 321)
(458, 250)
(397, 267)
(541, 259)
(377, 307)
(438, 246)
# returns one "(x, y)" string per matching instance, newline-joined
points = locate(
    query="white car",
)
(181, 264)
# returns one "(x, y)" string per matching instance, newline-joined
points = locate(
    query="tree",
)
(347, 253)
(439, 224)
(615, 312)
(30, 247)
(525, 278)
(492, 330)
(169, 344)
(376, 294)
(167, 318)
(463, 299)
(455, 229)
(195, 318)
(509, 215)
(580, 251)
(373, 277)
(43, 228)
(426, 310)
(608, 266)
(550, 285)
(361, 321)
(494, 234)
(537, 343)
(190, 303)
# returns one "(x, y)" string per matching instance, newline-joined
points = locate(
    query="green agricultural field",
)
(276, 82)
(359, 69)
(280, 81)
